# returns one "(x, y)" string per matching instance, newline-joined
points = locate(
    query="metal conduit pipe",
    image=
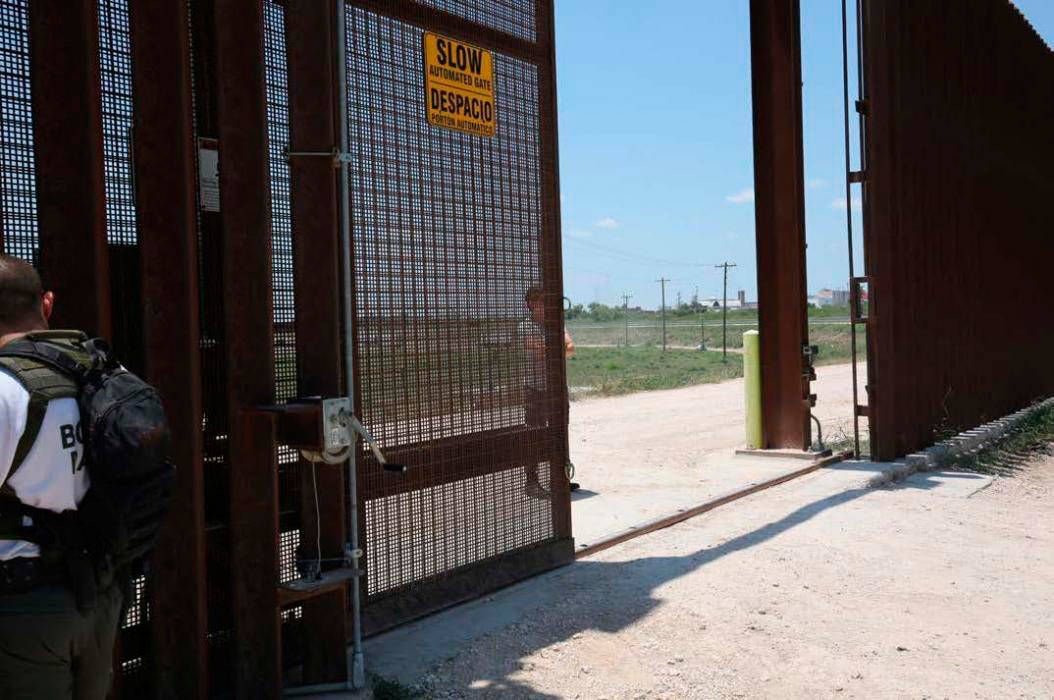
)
(358, 666)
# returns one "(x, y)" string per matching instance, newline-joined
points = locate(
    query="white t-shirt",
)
(528, 330)
(52, 476)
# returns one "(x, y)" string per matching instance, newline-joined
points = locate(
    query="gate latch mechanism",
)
(338, 430)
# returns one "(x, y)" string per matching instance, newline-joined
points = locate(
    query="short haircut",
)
(20, 292)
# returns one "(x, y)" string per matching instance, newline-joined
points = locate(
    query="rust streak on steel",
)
(248, 318)
(957, 216)
(310, 57)
(67, 129)
(775, 40)
(165, 198)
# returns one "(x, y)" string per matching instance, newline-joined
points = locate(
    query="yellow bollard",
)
(752, 381)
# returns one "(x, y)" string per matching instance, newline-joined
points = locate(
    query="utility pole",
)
(678, 307)
(702, 317)
(663, 282)
(724, 313)
(625, 314)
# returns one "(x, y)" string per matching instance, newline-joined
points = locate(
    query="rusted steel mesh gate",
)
(451, 231)
(224, 291)
(957, 216)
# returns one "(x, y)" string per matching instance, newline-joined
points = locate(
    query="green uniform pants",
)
(49, 650)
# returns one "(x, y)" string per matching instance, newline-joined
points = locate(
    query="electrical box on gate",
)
(334, 430)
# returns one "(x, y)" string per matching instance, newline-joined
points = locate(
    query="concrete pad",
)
(949, 484)
(634, 497)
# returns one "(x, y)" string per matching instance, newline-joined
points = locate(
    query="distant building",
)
(739, 302)
(830, 297)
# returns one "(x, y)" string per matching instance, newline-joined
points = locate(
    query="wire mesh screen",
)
(18, 202)
(425, 533)
(277, 88)
(514, 17)
(115, 74)
(276, 81)
(451, 363)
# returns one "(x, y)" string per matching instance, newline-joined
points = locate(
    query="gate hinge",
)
(857, 175)
(863, 107)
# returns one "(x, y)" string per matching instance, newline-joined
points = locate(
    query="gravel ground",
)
(645, 455)
(933, 588)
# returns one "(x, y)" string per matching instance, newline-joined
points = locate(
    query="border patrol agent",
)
(52, 645)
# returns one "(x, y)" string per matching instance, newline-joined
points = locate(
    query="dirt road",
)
(707, 417)
(645, 455)
(937, 587)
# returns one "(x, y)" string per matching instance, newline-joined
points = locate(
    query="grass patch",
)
(385, 689)
(841, 440)
(833, 340)
(1034, 437)
(615, 371)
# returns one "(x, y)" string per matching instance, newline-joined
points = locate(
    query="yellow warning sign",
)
(459, 85)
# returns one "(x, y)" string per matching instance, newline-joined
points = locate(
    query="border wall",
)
(957, 215)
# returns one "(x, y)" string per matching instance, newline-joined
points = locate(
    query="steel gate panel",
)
(956, 216)
(450, 231)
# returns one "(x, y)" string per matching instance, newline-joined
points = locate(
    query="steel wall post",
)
(313, 183)
(165, 198)
(67, 126)
(254, 557)
(249, 342)
(775, 40)
(552, 266)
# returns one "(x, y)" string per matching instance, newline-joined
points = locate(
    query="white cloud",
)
(606, 222)
(816, 183)
(840, 203)
(743, 197)
(579, 233)
(563, 197)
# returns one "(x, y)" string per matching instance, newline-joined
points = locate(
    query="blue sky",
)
(656, 161)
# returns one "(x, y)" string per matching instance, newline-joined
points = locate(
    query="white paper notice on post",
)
(209, 178)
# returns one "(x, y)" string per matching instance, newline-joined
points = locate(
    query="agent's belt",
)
(23, 574)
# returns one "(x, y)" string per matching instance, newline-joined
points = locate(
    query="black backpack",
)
(126, 444)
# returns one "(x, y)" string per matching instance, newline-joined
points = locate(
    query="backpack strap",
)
(44, 384)
(35, 364)
(67, 352)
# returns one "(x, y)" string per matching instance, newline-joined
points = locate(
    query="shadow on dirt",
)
(546, 611)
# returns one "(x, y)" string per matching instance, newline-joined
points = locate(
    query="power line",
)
(631, 256)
